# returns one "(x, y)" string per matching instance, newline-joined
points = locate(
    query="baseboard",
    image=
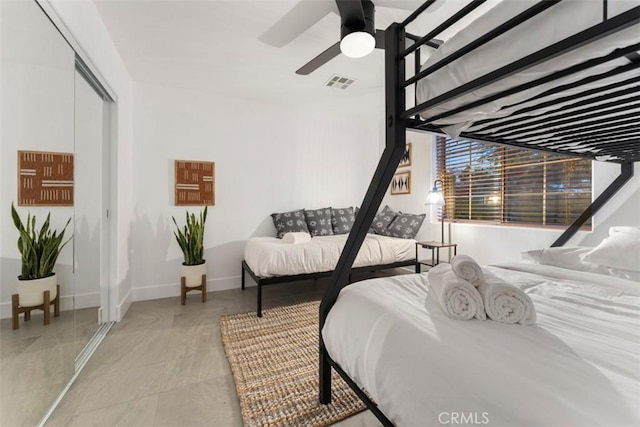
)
(173, 289)
(66, 303)
(118, 311)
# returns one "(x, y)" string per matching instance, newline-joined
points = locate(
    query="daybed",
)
(269, 260)
(309, 242)
(558, 76)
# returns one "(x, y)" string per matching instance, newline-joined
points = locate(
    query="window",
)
(506, 185)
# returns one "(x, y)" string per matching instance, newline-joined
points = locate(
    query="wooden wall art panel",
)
(195, 183)
(401, 183)
(45, 179)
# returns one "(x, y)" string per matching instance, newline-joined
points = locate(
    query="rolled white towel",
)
(296, 237)
(505, 302)
(458, 298)
(466, 268)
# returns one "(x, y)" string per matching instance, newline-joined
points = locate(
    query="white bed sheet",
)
(556, 23)
(269, 256)
(578, 366)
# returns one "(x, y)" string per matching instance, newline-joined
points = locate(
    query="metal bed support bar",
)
(394, 149)
(515, 21)
(440, 28)
(626, 173)
(546, 79)
(596, 32)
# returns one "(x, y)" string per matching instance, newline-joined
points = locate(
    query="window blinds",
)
(508, 185)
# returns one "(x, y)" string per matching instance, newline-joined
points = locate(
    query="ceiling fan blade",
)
(303, 16)
(379, 39)
(320, 60)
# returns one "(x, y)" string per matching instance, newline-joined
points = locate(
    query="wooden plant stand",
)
(16, 309)
(184, 289)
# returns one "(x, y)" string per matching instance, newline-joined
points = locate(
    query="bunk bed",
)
(573, 91)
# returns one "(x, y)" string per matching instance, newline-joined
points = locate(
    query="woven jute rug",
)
(274, 360)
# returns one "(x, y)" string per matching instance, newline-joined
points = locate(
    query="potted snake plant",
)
(190, 238)
(39, 251)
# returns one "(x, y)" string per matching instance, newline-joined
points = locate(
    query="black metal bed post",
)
(626, 173)
(394, 148)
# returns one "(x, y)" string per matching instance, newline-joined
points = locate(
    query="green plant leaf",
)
(39, 249)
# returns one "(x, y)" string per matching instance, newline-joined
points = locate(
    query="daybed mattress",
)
(578, 366)
(556, 23)
(269, 256)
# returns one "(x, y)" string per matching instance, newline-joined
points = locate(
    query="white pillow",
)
(620, 250)
(565, 257)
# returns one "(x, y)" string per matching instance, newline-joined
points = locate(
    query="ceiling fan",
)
(358, 35)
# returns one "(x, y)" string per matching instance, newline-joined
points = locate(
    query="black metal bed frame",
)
(621, 146)
(274, 280)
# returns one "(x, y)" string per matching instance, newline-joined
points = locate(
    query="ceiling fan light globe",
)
(357, 44)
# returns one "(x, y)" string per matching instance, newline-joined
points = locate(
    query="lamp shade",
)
(357, 44)
(435, 198)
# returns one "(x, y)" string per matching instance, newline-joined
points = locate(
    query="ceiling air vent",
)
(339, 82)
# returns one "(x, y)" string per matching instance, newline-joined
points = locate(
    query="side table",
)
(435, 253)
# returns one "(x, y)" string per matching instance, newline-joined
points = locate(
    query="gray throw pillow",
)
(289, 222)
(382, 220)
(319, 221)
(406, 225)
(342, 220)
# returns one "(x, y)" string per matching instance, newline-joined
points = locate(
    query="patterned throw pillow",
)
(342, 220)
(382, 220)
(319, 221)
(406, 225)
(289, 222)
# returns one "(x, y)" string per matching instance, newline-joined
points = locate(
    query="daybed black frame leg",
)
(259, 298)
(325, 376)
(243, 273)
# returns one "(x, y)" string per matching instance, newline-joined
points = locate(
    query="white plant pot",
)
(193, 274)
(31, 291)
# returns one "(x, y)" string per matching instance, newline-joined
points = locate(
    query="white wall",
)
(421, 145)
(268, 159)
(84, 24)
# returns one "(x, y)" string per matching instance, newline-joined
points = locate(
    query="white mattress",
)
(578, 366)
(269, 256)
(556, 23)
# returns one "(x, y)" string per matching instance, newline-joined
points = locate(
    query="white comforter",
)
(578, 366)
(556, 23)
(268, 256)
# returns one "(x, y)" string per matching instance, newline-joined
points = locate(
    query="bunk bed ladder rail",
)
(394, 148)
(626, 173)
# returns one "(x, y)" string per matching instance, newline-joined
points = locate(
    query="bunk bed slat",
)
(562, 88)
(489, 124)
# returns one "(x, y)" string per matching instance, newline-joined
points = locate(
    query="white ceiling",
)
(213, 45)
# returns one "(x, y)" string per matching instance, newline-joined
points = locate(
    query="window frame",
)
(502, 218)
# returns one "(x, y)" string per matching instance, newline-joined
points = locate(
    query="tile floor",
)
(37, 361)
(164, 364)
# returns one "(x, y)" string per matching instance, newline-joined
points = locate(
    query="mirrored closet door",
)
(91, 237)
(52, 110)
